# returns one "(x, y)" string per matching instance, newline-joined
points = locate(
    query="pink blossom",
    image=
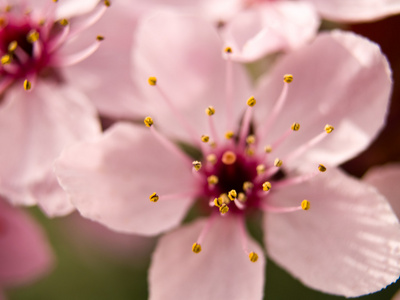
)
(25, 255)
(333, 232)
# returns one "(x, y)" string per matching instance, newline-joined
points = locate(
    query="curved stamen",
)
(229, 89)
(155, 197)
(246, 121)
(305, 205)
(204, 232)
(59, 40)
(210, 111)
(243, 238)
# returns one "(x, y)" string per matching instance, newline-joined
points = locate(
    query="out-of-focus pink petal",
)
(222, 270)
(270, 27)
(185, 56)
(71, 8)
(340, 79)
(356, 10)
(348, 243)
(110, 180)
(34, 128)
(386, 180)
(24, 252)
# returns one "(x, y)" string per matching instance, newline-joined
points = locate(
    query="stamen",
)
(228, 158)
(212, 180)
(152, 80)
(296, 180)
(242, 198)
(27, 85)
(305, 205)
(229, 88)
(247, 186)
(232, 195)
(288, 78)
(273, 209)
(266, 186)
(225, 199)
(154, 197)
(229, 135)
(251, 139)
(329, 128)
(228, 50)
(211, 158)
(268, 149)
(252, 255)
(32, 36)
(148, 121)
(203, 233)
(224, 209)
(63, 22)
(6, 59)
(260, 169)
(196, 165)
(246, 120)
(239, 204)
(218, 202)
(321, 168)
(12, 46)
(295, 127)
(277, 162)
(205, 138)
(196, 248)
(279, 141)
(210, 111)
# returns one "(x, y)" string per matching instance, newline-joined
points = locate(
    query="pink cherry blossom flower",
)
(334, 233)
(25, 255)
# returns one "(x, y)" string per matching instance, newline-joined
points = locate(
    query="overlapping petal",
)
(111, 178)
(340, 79)
(348, 243)
(33, 131)
(220, 271)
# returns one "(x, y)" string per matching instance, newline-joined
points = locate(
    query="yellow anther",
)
(225, 199)
(152, 80)
(250, 151)
(295, 127)
(232, 195)
(6, 59)
(64, 22)
(268, 149)
(305, 205)
(251, 101)
(107, 3)
(247, 186)
(288, 78)
(229, 135)
(27, 85)
(211, 158)
(242, 197)
(218, 202)
(32, 36)
(213, 145)
(42, 22)
(277, 162)
(148, 121)
(228, 50)
(196, 165)
(224, 209)
(196, 248)
(251, 139)
(321, 168)
(12, 46)
(253, 256)
(55, 1)
(210, 110)
(212, 180)
(205, 138)
(260, 169)
(100, 38)
(266, 186)
(228, 158)
(154, 197)
(329, 128)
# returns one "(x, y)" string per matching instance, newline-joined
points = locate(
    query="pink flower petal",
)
(334, 78)
(110, 180)
(347, 244)
(356, 10)
(386, 180)
(220, 271)
(270, 27)
(185, 56)
(34, 128)
(70, 8)
(24, 252)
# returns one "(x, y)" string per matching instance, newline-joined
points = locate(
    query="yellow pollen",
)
(12, 46)
(232, 195)
(42, 22)
(260, 169)
(107, 3)
(210, 110)
(266, 186)
(148, 121)
(196, 248)
(218, 202)
(228, 50)
(268, 149)
(329, 128)
(253, 256)
(224, 209)
(152, 80)
(247, 186)
(229, 135)
(305, 205)
(211, 158)
(225, 199)
(64, 22)
(321, 168)
(242, 197)
(32, 36)
(154, 197)
(228, 158)
(213, 145)
(251, 101)
(205, 138)
(100, 38)
(278, 163)
(212, 180)
(197, 165)
(295, 127)
(251, 139)
(6, 59)
(27, 85)
(55, 1)
(249, 151)
(288, 78)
